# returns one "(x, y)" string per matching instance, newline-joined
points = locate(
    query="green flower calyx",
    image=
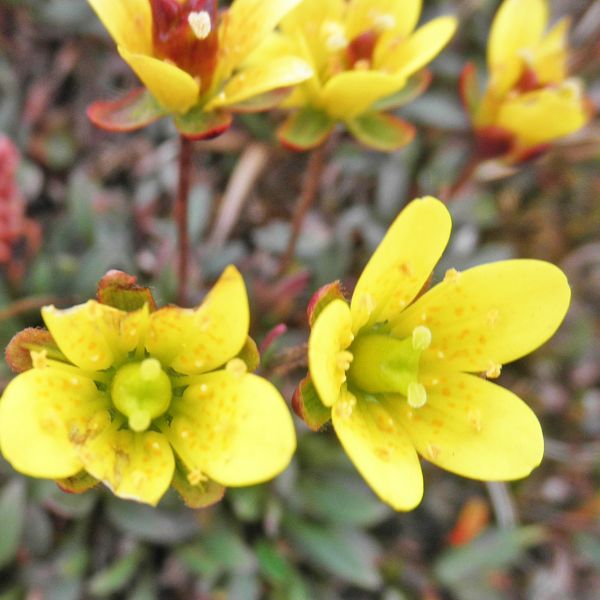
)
(383, 364)
(141, 391)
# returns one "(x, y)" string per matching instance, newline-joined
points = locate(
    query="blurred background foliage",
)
(317, 532)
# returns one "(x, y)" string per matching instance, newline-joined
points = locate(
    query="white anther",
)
(200, 24)
(417, 395)
(421, 337)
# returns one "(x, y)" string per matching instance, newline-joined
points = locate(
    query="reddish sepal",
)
(308, 406)
(133, 111)
(120, 290)
(321, 298)
(200, 125)
(18, 351)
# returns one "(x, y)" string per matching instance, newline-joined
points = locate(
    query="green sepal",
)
(305, 129)
(250, 355)
(381, 131)
(413, 88)
(18, 351)
(133, 111)
(260, 103)
(201, 495)
(77, 484)
(308, 406)
(321, 298)
(198, 124)
(469, 89)
(120, 290)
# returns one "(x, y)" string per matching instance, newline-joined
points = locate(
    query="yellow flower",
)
(141, 399)
(529, 101)
(366, 55)
(188, 56)
(399, 373)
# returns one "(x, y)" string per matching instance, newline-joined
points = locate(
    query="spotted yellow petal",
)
(382, 15)
(472, 427)
(135, 466)
(330, 335)
(490, 314)
(518, 26)
(172, 87)
(38, 411)
(195, 341)
(532, 117)
(406, 56)
(379, 447)
(234, 427)
(402, 263)
(129, 22)
(280, 72)
(244, 26)
(352, 93)
(94, 336)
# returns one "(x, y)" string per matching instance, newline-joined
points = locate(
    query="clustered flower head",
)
(15, 228)
(189, 57)
(140, 399)
(367, 58)
(400, 374)
(530, 101)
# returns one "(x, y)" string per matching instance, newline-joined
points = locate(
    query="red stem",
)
(310, 187)
(181, 218)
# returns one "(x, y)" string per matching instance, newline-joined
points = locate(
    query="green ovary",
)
(141, 391)
(383, 364)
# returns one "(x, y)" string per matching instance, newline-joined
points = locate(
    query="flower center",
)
(385, 364)
(141, 391)
(184, 33)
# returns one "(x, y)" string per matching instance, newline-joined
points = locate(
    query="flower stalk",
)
(181, 214)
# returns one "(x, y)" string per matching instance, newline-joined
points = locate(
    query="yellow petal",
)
(518, 26)
(37, 412)
(491, 314)
(365, 15)
(406, 56)
(233, 427)
(380, 449)
(549, 60)
(200, 340)
(309, 27)
(280, 72)
(352, 93)
(135, 466)
(172, 87)
(402, 263)
(532, 117)
(244, 26)
(473, 428)
(128, 22)
(93, 336)
(330, 335)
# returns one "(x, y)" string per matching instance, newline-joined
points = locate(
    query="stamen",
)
(96, 376)
(417, 395)
(200, 24)
(421, 338)
(335, 36)
(237, 367)
(39, 359)
(452, 276)
(196, 476)
(344, 359)
(494, 370)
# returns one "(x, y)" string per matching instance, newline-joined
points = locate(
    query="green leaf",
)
(345, 553)
(492, 550)
(156, 525)
(12, 519)
(305, 129)
(308, 406)
(117, 575)
(321, 495)
(380, 131)
(137, 109)
(200, 125)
